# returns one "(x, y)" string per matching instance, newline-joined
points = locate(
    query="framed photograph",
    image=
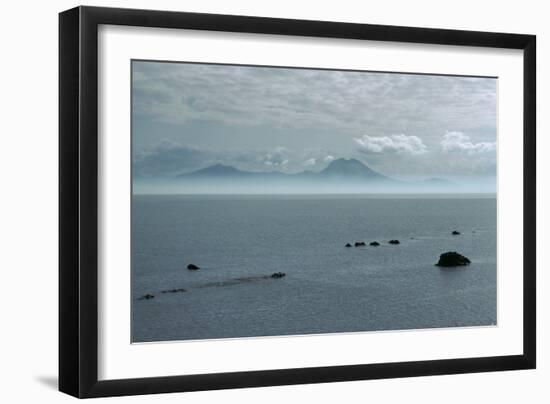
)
(250, 201)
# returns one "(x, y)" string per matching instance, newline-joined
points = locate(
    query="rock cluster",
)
(448, 259)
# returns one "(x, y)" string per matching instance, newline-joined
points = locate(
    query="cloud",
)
(244, 96)
(237, 115)
(277, 157)
(168, 159)
(461, 143)
(283, 159)
(392, 144)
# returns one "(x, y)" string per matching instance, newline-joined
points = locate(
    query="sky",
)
(189, 116)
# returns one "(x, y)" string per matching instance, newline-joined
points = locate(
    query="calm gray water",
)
(237, 240)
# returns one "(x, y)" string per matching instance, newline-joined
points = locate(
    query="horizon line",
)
(472, 194)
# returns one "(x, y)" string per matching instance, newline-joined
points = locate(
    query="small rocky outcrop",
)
(360, 244)
(180, 290)
(374, 243)
(394, 242)
(452, 259)
(348, 245)
(192, 267)
(147, 297)
(455, 233)
(277, 275)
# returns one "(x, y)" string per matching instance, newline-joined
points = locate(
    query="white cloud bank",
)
(394, 144)
(459, 142)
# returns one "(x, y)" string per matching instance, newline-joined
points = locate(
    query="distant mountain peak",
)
(350, 168)
(216, 170)
(219, 167)
(343, 160)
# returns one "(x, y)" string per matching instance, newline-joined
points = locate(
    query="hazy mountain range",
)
(349, 176)
(340, 169)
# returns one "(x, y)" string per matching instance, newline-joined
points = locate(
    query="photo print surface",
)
(276, 201)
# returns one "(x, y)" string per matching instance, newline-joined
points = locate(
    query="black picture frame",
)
(78, 201)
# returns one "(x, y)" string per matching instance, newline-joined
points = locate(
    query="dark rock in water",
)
(278, 275)
(173, 290)
(375, 244)
(452, 259)
(394, 242)
(147, 297)
(359, 244)
(192, 267)
(456, 233)
(348, 245)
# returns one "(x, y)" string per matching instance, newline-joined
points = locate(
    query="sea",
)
(239, 241)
